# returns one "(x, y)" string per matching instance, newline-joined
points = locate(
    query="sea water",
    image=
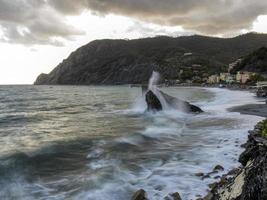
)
(85, 142)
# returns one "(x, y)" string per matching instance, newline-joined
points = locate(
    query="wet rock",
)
(153, 103)
(233, 171)
(218, 168)
(176, 196)
(173, 196)
(248, 182)
(179, 104)
(139, 195)
(199, 174)
(213, 185)
(205, 176)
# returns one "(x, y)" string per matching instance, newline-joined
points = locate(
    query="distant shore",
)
(251, 109)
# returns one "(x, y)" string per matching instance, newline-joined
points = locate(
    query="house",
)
(230, 79)
(234, 64)
(223, 76)
(243, 77)
(213, 79)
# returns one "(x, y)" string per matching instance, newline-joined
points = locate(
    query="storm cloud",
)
(203, 16)
(43, 21)
(34, 22)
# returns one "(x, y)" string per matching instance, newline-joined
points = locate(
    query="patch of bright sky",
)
(22, 64)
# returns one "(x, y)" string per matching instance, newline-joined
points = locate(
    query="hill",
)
(254, 62)
(132, 61)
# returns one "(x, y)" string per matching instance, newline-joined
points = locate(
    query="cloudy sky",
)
(35, 35)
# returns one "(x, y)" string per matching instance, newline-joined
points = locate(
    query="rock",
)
(179, 104)
(139, 195)
(248, 182)
(176, 196)
(42, 79)
(218, 168)
(173, 196)
(205, 176)
(153, 103)
(199, 174)
(213, 185)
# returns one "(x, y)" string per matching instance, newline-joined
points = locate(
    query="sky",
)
(36, 35)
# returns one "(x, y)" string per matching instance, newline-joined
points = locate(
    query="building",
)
(243, 77)
(224, 76)
(230, 79)
(234, 64)
(213, 79)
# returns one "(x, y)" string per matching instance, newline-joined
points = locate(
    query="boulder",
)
(180, 104)
(153, 103)
(139, 195)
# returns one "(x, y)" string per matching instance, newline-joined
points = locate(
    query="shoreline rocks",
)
(247, 182)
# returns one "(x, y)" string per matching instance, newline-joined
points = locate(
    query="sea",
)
(99, 143)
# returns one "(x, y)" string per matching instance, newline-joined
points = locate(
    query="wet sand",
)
(251, 109)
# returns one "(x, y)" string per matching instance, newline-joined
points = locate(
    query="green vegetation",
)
(254, 62)
(263, 128)
(256, 78)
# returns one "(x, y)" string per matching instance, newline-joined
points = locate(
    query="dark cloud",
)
(204, 16)
(43, 21)
(34, 22)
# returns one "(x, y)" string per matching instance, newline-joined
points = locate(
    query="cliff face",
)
(250, 181)
(132, 61)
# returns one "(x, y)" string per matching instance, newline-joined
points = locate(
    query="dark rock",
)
(250, 181)
(179, 104)
(199, 174)
(173, 196)
(153, 103)
(206, 176)
(218, 168)
(139, 195)
(213, 185)
(42, 78)
(176, 196)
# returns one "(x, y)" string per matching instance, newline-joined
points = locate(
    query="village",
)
(242, 77)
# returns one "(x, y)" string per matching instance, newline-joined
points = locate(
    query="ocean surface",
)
(88, 143)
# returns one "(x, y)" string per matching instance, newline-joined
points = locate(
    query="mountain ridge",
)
(132, 61)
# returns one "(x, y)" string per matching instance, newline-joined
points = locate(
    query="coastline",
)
(251, 109)
(236, 184)
(249, 181)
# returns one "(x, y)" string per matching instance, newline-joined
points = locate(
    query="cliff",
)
(249, 181)
(132, 61)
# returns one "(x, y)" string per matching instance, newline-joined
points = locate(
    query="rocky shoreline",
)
(247, 182)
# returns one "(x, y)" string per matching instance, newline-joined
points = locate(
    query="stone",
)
(205, 176)
(218, 168)
(199, 174)
(179, 104)
(139, 195)
(153, 103)
(212, 185)
(176, 196)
